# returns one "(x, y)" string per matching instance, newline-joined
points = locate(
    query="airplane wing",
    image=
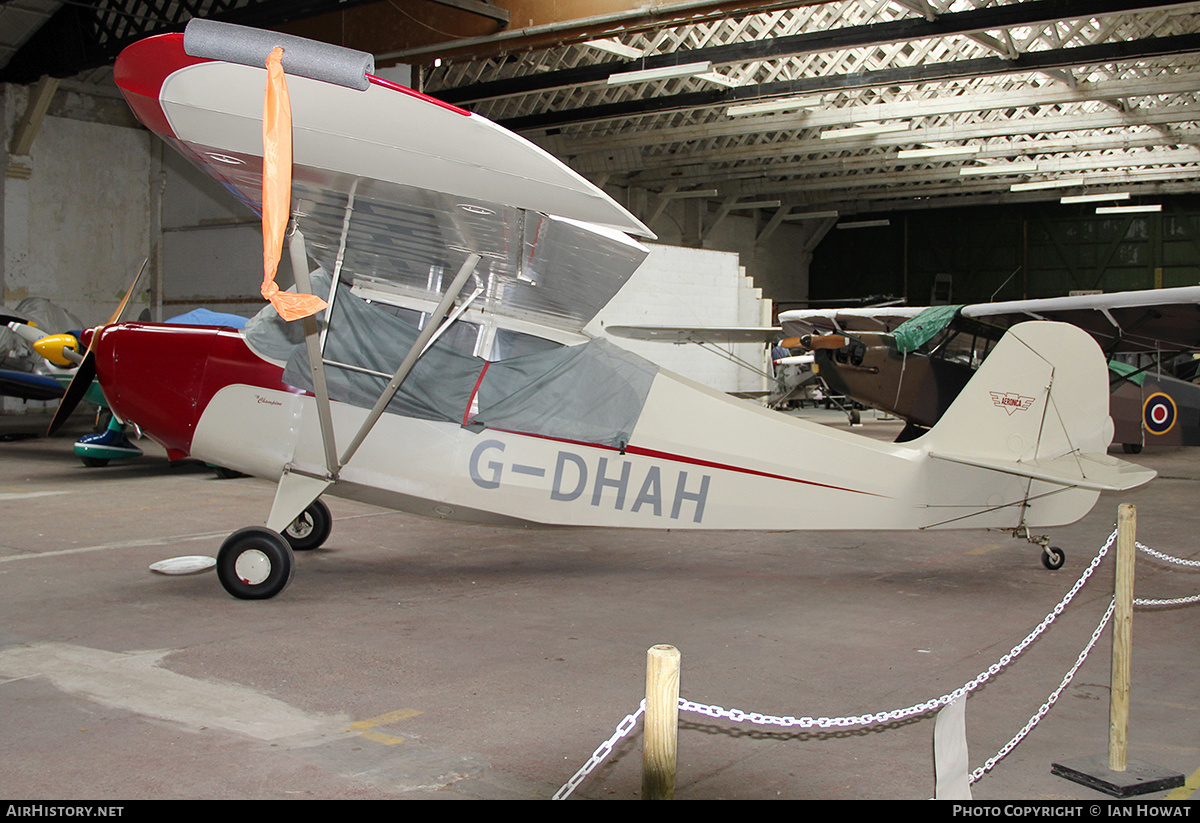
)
(799, 322)
(29, 386)
(1131, 321)
(390, 188)
(712, 335)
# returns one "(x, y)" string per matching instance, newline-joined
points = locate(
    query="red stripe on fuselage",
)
(692, 461)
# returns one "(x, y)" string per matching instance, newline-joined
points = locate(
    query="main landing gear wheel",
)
(255, 563)
(311, 529)
(1053, 558)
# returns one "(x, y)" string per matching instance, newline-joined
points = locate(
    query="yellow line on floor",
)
(1188, 788)
(365, 727)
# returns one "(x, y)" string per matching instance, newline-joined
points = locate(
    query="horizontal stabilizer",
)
(1097, 472)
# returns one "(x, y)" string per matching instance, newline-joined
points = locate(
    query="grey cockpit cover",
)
(591, 393)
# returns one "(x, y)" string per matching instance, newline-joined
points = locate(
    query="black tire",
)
(311, 529)
(1131, 448)
(255, 563)
(1053, 558)
(223, 473)
(95, 462)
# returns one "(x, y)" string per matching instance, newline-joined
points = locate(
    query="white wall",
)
(212, 245)
(679, 286)
(75, 230)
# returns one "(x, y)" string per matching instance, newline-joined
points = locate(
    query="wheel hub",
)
(301, 527)
(252, 567)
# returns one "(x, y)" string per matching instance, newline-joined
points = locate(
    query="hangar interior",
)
(784, 132)
(784, 153)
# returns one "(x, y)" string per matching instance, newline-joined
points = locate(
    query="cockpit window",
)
(461, 336)
(510, 343)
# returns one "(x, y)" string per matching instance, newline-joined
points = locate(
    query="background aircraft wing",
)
(1131, 321)
(29, 386)
(717, 335)
(823, 321)
(390, 186)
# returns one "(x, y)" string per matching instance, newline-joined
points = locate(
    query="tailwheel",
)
(311, 529)
(255, 563)
(1053, 557)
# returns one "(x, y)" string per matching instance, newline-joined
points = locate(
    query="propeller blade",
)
(816, 341)
(128, 294)
(76, 389)
(26, 331)
(86, 372)
(829, 341)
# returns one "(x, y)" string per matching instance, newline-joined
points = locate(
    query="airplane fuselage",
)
(697, 459)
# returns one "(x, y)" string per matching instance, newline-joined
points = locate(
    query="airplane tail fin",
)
(1038, 410)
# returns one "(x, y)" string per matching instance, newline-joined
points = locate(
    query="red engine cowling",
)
(160, 377)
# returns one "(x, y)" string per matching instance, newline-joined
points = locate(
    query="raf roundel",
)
(1159, 413)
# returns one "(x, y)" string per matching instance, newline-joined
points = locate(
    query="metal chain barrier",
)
(738, 716)
(602, 751)
(1050, 701)
(1166, 558)
(1033, 721)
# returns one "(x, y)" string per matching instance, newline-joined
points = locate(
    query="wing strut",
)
(297, 489)
(299, 258)
(418, 347)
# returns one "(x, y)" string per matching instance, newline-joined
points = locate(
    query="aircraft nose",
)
(152, 375)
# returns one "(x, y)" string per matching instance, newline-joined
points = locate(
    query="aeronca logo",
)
(1012, 402)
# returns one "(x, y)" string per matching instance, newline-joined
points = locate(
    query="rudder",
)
(1038, 408)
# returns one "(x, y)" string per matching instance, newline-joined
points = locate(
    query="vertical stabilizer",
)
(1037, 408)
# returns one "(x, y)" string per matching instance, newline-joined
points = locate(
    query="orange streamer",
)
(277, 191)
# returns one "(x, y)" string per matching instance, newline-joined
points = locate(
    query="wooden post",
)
(1122, 639)
(1120, 778)
(661, 723)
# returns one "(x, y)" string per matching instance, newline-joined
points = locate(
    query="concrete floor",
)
(420, 659)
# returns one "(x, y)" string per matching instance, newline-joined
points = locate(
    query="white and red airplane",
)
(448, 375)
